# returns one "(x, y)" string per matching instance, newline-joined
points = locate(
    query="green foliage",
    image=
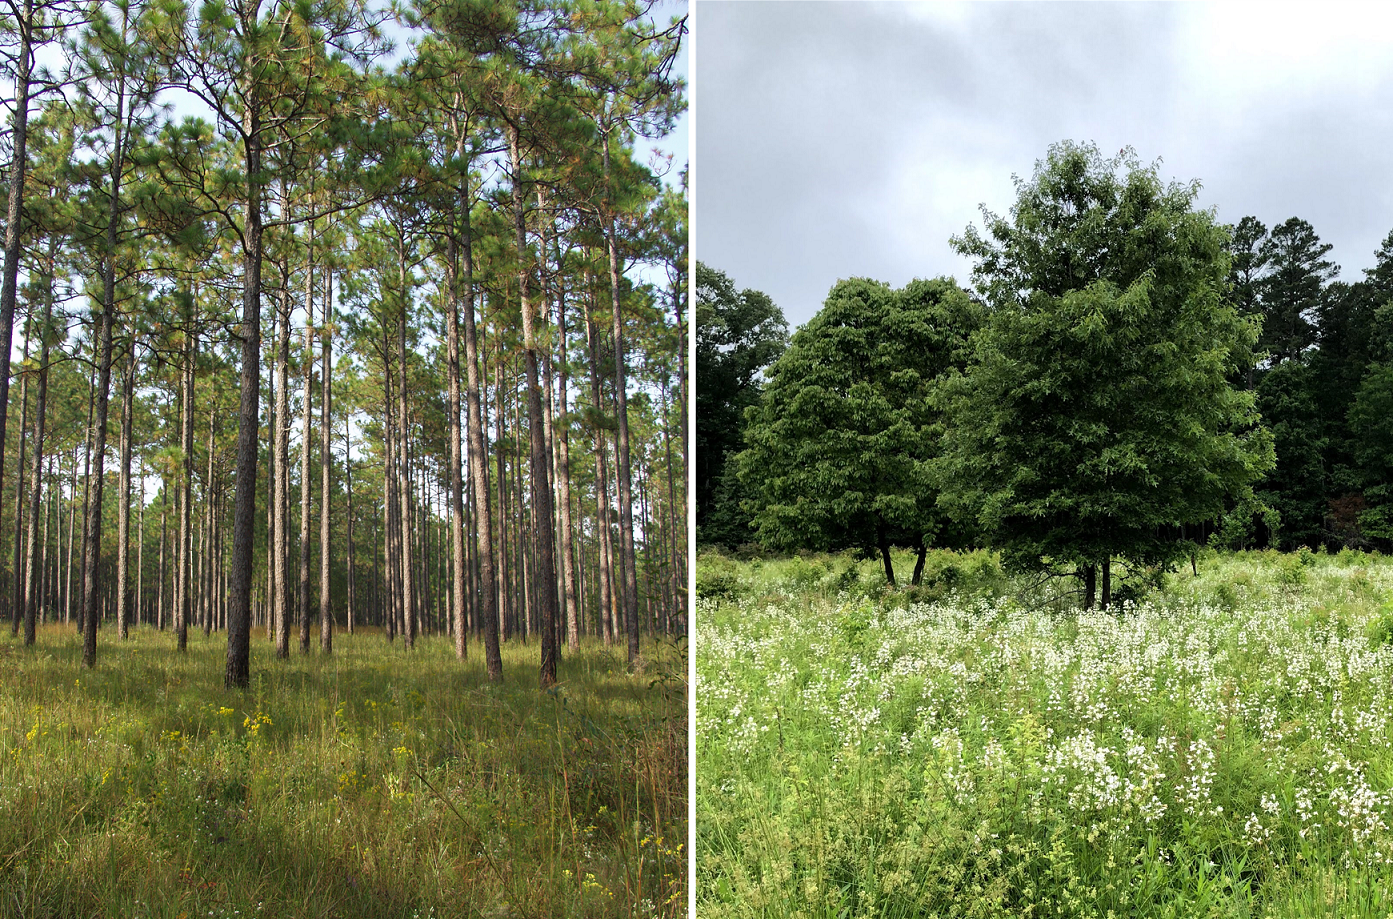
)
(1371, 419)
(1293, 289)
(738, 334)
(1379, 628)
(1096, 416)
(717, 577)
(1296, 487)
(839, 447)
(389, 785)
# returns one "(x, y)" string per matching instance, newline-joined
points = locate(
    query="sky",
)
(851, 139)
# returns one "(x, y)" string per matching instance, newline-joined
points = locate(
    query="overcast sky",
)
(849, 139)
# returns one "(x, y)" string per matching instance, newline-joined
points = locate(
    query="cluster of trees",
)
(1130, 379)
(474, 293)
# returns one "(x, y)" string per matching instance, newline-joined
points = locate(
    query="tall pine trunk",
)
(280, 541)
(326, 621)
(478, 456)
(183, 594)
(626, 509)
(408, 606)
(238, 672)
(304, 593)
(123, 507)
(538, 458)
(19, 133)
(16, 598)
(32, 569)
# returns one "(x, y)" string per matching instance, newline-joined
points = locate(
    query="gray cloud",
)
(853, 139)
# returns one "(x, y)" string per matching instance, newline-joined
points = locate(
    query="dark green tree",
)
(739, 333)
(1296, 487)
(1371, 421)
(1291, 292)
(1096, 416)
(841, 441)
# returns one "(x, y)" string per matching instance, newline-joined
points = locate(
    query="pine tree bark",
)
(141, 613)
(304, 594)
(478, 456)
(19, 133)
(80, 607)
(351, 560)
(205, 566)
(403, 483)
(280, 546)
(238, 672)
(626, 510)
(538, 454)
(562, 457)
(17, 596)
(161, 620)
(92, 539)
(32, 569)
(184, 591)
(602, 517)
(326, 620)
(455, 472)
(123, 507)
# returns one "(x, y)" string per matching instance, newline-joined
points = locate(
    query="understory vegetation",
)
(1220, 743)
(373, 783)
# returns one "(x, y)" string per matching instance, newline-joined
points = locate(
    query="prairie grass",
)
(373, 783)
(1223, 747)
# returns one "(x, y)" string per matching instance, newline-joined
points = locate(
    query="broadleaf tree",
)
(840, 445)
(1096, 417)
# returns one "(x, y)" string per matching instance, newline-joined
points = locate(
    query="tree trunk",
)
(403, 482)
(326, 620)
(350, 563)
(563, 461)
(164, 541)
(81, 606)
(92, 539)
(391, 531)
(19, 133)
(505, 601)
(32, 569)
(304, 594)
(17, 597)
(1107, 581)
(280, 470)
(602, 518)
(478, 455)
(626, 510)
(184, 593)
(455, 472)
(1090, 586)
(123, 507)
(883, 544)
(538, 459)
(923, 551)
(205, 567)
(141, 614)
(244, 517)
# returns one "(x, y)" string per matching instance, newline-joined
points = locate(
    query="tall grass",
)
(373, 783)
(1224, 747)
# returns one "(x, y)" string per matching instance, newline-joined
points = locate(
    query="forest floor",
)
(1220, 745)
(373, 783)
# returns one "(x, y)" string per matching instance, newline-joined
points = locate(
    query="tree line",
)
(1128, 380)
(465, 281)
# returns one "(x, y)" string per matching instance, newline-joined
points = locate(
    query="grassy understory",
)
(1222, 748)
(374, 783)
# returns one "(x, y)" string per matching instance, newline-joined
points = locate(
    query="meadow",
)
(373, 783)
(1220, 745)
